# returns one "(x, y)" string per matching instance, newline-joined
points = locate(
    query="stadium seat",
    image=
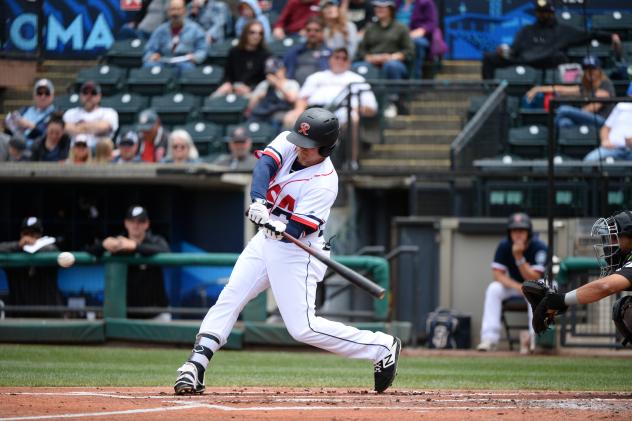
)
(595, 48)
(533, 116)
(260, 133)
(208, 137)
(614, 21)
(126, 53)
(519, 78)
(202, 80)
(572, 18)
(226, 109)
(153, 80)
(110, 77)
(278, 47)
(528, 141)
(365, 70)
(218, 52)
(577, 141)
(513, 305)
(127, 105)
(175, 108)
(65, 102)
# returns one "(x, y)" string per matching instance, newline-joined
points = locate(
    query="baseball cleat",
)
(188, 381)
(385, 370)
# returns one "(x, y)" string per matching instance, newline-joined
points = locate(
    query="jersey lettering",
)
(287, 202)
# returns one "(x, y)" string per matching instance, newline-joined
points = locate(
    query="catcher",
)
(613, 248)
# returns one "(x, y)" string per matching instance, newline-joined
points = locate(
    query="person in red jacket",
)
(294, 16)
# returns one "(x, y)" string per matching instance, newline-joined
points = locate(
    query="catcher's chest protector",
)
(622, 317)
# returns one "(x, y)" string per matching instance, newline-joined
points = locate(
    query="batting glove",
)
(258, 212)
(274, 230)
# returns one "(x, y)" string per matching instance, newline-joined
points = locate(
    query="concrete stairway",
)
(420, 141)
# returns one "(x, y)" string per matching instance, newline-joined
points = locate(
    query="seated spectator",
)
(30, 122)
(420, 16)
(179, 42)
(240, 156)
(90, 118)
(103, 151)
(386, 43)
(17, 151)
(245, 63)
(250, 10)
(34, 285)
(212, 16)
(293, 18)
(55, 145)
(542, 44)
(310, 56)
(594, 84)
(360, 12)
(127, 144)
(182, 150)
(615, 134)
(151, 14)
(145, 283)
(338, 31)
(274, 96)
(80, 153)
(153, 136)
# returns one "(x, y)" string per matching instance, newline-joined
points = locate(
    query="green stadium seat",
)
(577, 141)
(175, 108)
(202, 80)
(278, 47)
(208, 137)
(595, 48)
(614, 21)
(260, 133)
(365, 70)
(519, 78)
(110, 77)
(226, 109)
(218, 52)
(65, 102)
(573, 18)
(126, 53)
(128, 105)
(154, 80)
(528, 141)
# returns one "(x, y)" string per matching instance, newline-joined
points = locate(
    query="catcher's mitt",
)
(534, 292)
(545, 303)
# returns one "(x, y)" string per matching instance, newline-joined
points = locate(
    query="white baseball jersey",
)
(305, 196)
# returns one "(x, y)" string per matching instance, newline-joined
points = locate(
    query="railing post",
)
(115, 290)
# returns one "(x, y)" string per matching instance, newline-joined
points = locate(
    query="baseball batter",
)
(293, 188)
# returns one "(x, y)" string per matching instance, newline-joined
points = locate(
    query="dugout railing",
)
(112, 322)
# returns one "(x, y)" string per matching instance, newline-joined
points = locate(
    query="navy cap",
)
(32, 223)
(92, 85)
(137, 212)
(591, 62)
(128, 138)
(146, 120)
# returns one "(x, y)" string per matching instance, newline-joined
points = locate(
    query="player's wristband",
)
(521, 261)
(258, 200)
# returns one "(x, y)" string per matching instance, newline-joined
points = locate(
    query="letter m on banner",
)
(131, 5)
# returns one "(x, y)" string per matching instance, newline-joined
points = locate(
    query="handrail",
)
(115, 300)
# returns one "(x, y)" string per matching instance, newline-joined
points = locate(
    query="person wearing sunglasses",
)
(30, 122)
(90, 118)
(309, 56)
(182, 150)
(250, 10)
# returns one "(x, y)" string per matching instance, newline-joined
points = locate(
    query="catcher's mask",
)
(605, 233)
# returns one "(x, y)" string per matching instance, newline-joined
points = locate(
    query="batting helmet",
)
(519, 220)
(316, 128)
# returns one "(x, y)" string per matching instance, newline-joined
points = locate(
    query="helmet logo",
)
(304, 128)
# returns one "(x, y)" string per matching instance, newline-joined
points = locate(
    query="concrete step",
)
(461, 66)
(438, 108)
(408, 151)
(14, 104)
(421, 136)
(458, 76)
(421, 121)
(405, 165)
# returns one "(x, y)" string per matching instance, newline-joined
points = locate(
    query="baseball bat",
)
(350, 275)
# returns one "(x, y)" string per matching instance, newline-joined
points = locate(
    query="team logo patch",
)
(304, 129)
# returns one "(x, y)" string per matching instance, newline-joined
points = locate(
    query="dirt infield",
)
(308, 404)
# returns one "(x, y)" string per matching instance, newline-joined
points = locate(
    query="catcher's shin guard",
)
(622, 318)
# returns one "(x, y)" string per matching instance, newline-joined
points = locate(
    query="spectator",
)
(182, 150)
(245, 63)
(615, 134)
(151, 14)
(179, 42)
(212, 16)
(103, 151)
(153, 136)
(310, 56)
(17, 151)
(518, 257)
(33, 285)
(542, 44)
(360, 12)
(30, 122)
(145, 283)
(80, 153)
(90, 118)
(338, 31)
(53, 147)
(240, 156)
(421, 17)
(386, 43)
(249, 10)
(4, 147)
(127, 144)
(293, 18)
(274, 96)
(594, 84)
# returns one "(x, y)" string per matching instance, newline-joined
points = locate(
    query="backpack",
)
(441, 326)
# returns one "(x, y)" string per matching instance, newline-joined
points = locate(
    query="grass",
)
(44, 365)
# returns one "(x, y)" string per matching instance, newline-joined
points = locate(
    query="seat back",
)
(225, 109)
(111, 78)
(154, 80)
(127, 53)
(202, 80)
(208, 137)
(175, 108)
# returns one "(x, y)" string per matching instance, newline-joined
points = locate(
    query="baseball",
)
(66, 259)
